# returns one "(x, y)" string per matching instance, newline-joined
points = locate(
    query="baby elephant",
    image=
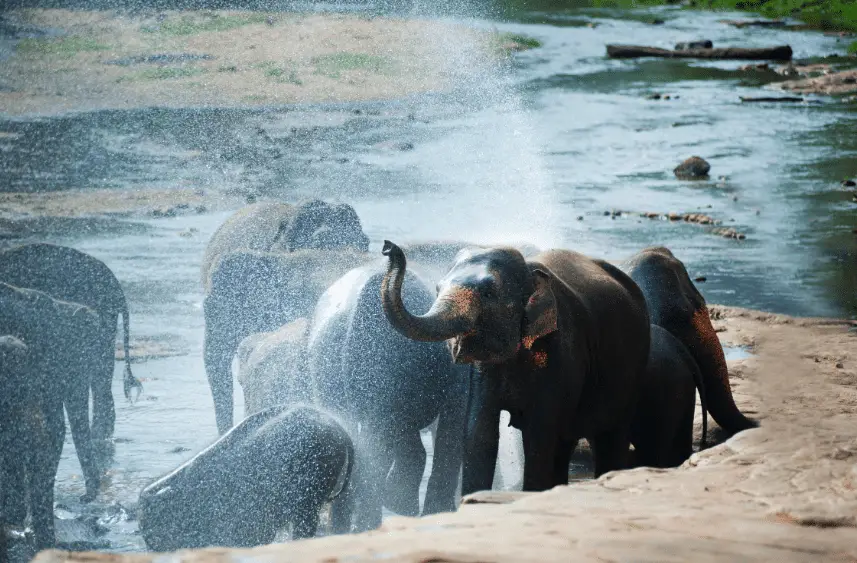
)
(662, 433)
(276, 467)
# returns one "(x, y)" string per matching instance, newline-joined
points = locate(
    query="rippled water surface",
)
(536, 154)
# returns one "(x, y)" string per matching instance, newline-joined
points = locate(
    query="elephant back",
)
(360, 365)
(270, 367)
(253, 227)
(64, 273)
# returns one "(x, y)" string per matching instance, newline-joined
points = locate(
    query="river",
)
(538, 153)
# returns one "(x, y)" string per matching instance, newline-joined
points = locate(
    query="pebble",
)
(849, 183)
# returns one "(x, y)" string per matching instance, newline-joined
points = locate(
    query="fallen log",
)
(754, 23)
(779, 53)
(772, 99)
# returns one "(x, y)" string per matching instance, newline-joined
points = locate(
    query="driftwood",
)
(779, 53)
(772, 99)
(754, 23)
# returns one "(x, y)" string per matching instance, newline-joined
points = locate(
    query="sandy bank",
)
(99, 60)
(784, 492)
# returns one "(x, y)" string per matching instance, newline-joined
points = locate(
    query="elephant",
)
(267, 365)
(265, 266)
(676, 305)
(49, 347)
(70, 275)
(276, 467)
(560, 340)
(368, 374)
(662, 432)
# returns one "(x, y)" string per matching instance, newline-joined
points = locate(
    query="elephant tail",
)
(128, 381)
(708, 353)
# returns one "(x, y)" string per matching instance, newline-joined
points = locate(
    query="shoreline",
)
(89, 60)
(786, 491)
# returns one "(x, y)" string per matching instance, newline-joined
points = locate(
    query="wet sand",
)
(781, 492)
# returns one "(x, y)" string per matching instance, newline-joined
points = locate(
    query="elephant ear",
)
(540, 314)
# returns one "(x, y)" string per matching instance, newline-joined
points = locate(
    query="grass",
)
(853, 48)
(831, 15)
(283, 75)
(334, 64)
(61, 46)
(163, 73)
(187, 25)
(514, 42)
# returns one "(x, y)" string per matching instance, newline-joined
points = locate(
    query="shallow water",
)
(519, 156)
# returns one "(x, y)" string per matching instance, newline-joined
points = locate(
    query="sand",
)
(786, 491)
(98, 60)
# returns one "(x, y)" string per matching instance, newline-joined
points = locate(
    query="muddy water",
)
(536, 154)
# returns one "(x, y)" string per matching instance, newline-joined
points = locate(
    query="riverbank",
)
(786, 491)
(67, 61)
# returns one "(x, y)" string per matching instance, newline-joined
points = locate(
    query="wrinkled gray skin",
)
(70, 275)
(49, 348)
(676, 305)
(368, 373)
(271, 367)
(662, 432)
(276, 467)
(265, 266)
(560, 341)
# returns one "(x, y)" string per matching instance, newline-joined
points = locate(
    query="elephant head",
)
(489, 304)
(320, 225)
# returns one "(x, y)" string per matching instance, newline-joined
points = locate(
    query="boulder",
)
(694, 167)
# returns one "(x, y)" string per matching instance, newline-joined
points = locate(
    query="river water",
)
(538, 153)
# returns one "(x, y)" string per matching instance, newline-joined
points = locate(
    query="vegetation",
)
(821, 14)
(187, 25)
(334, 64)
(62, 46)
(164, 73)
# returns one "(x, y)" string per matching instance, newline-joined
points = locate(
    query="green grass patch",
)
(333, 65)
(187, 25)
(828, 15)
(163, 73)
(227, 68)
(283, 75)
(61, 46)
(523, 41)
(852, 49)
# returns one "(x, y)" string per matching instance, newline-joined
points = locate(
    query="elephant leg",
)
(42, 464)
(305, 523)
(681, 446)
(13, 476)
(562, 459)
(77, 408)
(373, 463)
(221, 341)
(402, 491)
(610, 450)
(342, 508)
(103, 407)
(540, 452)
(447, 455)
(483, 436)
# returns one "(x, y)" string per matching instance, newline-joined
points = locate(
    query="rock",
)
(655, 96)
(832, 83)
(700, 44)
(700, 279)
(694, 167)
(849, 183)
(729, 232)
(755, 67)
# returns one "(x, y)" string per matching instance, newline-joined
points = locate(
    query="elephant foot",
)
(89, 496)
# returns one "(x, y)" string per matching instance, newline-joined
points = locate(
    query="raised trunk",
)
(441, 322)
(708, 353)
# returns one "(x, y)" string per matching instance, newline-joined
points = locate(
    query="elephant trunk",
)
(708, 353)
(443, 321)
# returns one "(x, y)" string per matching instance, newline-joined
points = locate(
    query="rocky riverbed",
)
(786, 491)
